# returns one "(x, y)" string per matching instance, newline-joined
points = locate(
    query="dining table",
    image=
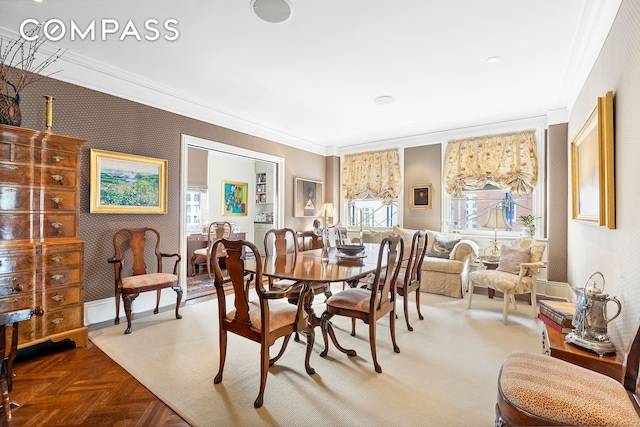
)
(312, 268)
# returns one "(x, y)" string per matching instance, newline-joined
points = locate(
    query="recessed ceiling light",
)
(273, 11)
(493, 59)
(383, 100)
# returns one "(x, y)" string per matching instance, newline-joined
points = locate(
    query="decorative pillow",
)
(511, 258)
(442, 248)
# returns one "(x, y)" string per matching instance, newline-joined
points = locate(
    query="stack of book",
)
(557, 314)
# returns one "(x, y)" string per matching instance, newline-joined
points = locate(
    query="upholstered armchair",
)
(516, 273)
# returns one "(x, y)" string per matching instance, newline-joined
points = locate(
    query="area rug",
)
(199, 286)
(445, 374)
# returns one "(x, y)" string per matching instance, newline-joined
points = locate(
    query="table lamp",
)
(496, 219)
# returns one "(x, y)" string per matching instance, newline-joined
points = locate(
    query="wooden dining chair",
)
(369, 305)
(263, 320)
(9, 319)
(280, 241)
(409, 280)
(216, 230)
(308, 240)
(131, 274)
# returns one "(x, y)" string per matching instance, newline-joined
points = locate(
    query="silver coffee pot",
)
(590, 319)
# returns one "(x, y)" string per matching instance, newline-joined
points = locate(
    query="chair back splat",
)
(410, 280)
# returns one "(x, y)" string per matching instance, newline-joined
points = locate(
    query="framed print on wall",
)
(127, 184)
(420, 197)
(592, 167)
(234, 198)
(308, 198)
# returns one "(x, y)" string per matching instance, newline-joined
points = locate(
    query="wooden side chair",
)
(308, 240)
(262, 320)
(409, 280)
(538, 390)
(216, 230)
(280, 241)
(131, 275)
(369, 305)
(9, 319)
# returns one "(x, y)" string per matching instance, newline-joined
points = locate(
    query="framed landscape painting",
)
(234, 198)
(308, 198)
(127, 184)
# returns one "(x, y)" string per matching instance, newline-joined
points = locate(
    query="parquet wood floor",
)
(68, 386)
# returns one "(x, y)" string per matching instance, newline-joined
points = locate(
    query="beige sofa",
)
(445, 275)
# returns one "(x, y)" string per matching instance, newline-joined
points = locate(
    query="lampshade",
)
(327, 210)
(496, 219)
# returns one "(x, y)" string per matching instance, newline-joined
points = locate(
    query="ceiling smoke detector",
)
(272, 11)
(383, 100)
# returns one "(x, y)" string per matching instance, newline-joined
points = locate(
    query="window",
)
(194, 207)
(374, 213)
(468, 212)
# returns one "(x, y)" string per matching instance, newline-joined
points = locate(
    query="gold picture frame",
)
(592, 167)
(308, 198)
(127, 184)
(234, 198)
(421, 196)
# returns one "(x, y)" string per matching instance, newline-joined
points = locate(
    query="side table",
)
(553, 344)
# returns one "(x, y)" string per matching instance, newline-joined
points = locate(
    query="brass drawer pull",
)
(57, 321)
(10, 216)
(11, 300)
(10, 167)
(10, 190)
(10, 279)
(56, 225)
(56, 158)
(56, 200)
(57, 297)
(57, 277)
(57, 177)
(57, 259)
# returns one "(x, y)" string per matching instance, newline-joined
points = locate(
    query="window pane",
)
(374, 213)
(470, 211)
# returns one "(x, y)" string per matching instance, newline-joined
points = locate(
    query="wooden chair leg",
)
(117, 319)
(420, 316)
(505, 312)
(193, 265)
(178, 290)
(264, 371)
(128, 302)
(157, 309)
(223, 356)
(372, 344)
(405, 304)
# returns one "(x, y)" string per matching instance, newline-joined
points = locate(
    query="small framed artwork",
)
(234, 198)
(420, 196)
(592, 167)
(127, 184)
(308, 198)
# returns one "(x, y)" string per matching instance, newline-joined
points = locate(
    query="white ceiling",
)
(311, 81)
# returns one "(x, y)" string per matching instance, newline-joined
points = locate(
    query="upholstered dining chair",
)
(538, 390)
(369, 305)
(263, 319)
(516, 273)
(131, 273)
(216, 230)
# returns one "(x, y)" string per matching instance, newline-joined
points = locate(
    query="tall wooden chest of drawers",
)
(41, 255)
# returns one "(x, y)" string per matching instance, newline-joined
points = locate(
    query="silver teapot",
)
(590, 319)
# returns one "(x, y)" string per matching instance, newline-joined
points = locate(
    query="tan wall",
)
(115, 124)
(423, 165)
(592, 248)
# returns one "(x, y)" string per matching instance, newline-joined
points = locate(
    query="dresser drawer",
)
(14, 261)
(61, 297)
(56, 321)
(59, 225)
(62, 277)
(15, 198)
(61, 256)
(18, 226)
(54, 177)
(60, 199)
(17, 302)
(59, 158)
(11, 284)
(12, 173)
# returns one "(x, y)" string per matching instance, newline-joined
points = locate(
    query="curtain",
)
(197, 169)
(507, 161)
(374, 173)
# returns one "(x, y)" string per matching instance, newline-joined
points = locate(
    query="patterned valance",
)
(374, 173)
(507, 161)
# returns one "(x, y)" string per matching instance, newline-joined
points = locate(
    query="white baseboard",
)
(105, 309)
(554, 289)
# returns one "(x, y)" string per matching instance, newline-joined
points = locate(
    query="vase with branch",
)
(20, 66)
